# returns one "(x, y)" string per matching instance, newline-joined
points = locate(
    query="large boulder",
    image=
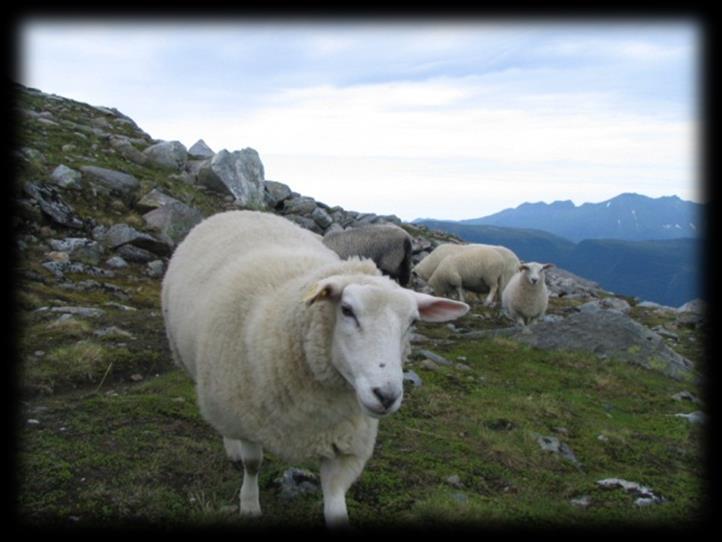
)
(119, 235)
(170, 154)
(239, 174)
(173, 221)
(112, 182)
(53, 205)
(200, 150)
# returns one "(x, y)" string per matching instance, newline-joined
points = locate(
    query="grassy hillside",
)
(106, 431)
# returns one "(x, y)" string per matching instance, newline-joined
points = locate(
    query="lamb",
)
(478, 268)
(389, 246)
(291, 349)
(426, 267)
(525, 298)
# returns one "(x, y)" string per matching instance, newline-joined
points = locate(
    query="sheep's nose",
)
(386, 397)
(533, 280)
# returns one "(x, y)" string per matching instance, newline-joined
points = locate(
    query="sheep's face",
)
(534, 272)
(374, 321)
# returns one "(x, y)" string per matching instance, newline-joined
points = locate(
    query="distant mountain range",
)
(666, 271)
(629, 217)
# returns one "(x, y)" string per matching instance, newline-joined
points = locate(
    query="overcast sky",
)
(451, 119)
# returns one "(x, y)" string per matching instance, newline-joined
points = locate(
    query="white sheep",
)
(291, 349)
(426, 267)
(525, 298)
(478, 268)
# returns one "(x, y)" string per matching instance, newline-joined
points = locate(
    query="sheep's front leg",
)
(489, 301)
(337, 475)
(251, 454)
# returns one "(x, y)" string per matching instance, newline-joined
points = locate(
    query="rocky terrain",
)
(100, 206)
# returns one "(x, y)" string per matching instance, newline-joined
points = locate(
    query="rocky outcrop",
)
(238, 174)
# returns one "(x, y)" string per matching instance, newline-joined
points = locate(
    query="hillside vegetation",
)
(493, 432)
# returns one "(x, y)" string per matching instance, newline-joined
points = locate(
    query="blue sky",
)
(449, 119)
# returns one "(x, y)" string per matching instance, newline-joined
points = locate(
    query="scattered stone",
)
(696, 417)
(297, 482)
(33, 421)
(85, 312)
(65, 177)
(275, 193)
(136, 377)
(454, 481)
(116, 262)
(135, 254)
(79, 248)
(302, 205)
(122, 234)
(644, 495)
(200, 149)
(53, 205)
(173, 221)
(113, 332)
(239, 174)
(584, 501)
(429, 365)
(554, 445)
(436, 358)
(112, 182)
(170, 154)
(686, 396)
(154, 199)
(155, 269)
(411, 376)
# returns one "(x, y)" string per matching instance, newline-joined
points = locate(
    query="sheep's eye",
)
(347, 311)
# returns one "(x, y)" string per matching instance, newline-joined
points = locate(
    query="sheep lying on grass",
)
(525, 298)
(291, 349)
(387, 245)
(478, 268)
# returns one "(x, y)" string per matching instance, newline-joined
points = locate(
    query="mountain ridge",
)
(628, 216)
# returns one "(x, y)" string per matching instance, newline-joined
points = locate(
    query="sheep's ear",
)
(439, 309)
(547, 265)
(323, 289)
(523, 267)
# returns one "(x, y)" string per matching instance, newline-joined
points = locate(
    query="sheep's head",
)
(534, 272)
(374, 321)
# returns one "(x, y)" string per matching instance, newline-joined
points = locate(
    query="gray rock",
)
(297, 482)
(645, 496)
(116, 262)
(321, 218)
(125, 148)
(154, 199)
(411, 376)
(169, 154)
(65, 177)
(173, 221)
(200, 149)
(607, 334)
(302, 205)
(86, 312)
(135, 254)
(155, 269)
(686, 396)
(436, 358)
(697, 306)
(275, 193)
(239, 174)
(113, 332)
(122, 234)
(306, 223)
(585, 501)
(53, 205)
(607, 303)
(79, 248)
(112, 182)
(554, 445)
(696, 417)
